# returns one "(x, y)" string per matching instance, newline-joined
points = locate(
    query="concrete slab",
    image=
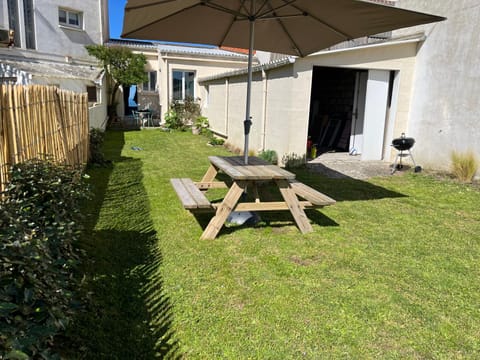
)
(342, 165)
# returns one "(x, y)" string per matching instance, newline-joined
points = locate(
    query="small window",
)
(151, 84)
(92, 93)
(183, 85)
(70, 18)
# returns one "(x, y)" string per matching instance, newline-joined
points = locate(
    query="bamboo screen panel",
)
(38, 121)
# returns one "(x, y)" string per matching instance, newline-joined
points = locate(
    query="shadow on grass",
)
(339, 187)
(128, 315)
(342, 187)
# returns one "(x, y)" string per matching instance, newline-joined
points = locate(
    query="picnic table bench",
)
(190, 195)
(257, 171)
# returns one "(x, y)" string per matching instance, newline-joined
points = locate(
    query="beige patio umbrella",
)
(293, 27)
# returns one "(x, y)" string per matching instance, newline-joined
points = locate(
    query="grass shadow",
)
(337, 185)
(127, 315)
(341, 187)
(272, 219)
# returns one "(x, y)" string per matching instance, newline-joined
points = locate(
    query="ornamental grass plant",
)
(464, 165)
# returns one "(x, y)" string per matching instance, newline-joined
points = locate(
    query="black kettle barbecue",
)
(403, 144)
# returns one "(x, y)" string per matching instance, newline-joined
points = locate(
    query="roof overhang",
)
(415, 38)
(46, 69)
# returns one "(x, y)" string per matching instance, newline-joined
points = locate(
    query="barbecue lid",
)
(403, 142)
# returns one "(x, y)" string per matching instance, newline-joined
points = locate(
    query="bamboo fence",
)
(38, 121)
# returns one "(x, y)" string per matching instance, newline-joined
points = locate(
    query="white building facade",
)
(173, 73)
(444, 111)
(423, 81)
(49, 46)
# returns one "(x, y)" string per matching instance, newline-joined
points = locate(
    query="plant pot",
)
(195, 130)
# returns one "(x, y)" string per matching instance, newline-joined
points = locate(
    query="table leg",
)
(210, 174)
(255, 193)
(297, 211)
(225, 208)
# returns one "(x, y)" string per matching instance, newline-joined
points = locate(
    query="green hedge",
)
(39, 226)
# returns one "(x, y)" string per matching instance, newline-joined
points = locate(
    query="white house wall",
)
(98, 112)
(59, 45)
(236, 112)
(217, 103)
(203, 67)
(444, 114)
(68, 41)
(285, 109)
(396, 56)
(287, 105)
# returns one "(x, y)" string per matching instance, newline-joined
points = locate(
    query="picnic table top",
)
(256, 169)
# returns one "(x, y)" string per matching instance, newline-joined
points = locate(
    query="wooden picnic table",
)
(249, 177)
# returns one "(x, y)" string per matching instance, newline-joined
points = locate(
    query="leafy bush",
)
(173, 120)
(39, 213)
(269, 155)
(182, 114)
(188, 110)
(216, 141)
(203, 125)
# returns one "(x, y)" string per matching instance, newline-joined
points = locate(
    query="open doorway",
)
(130, 99)
(352, 110)
(333, 98)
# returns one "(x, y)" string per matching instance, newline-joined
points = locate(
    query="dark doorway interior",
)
(126, 94)
(331, 108)
(130, 99)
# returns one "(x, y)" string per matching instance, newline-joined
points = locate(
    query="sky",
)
(115, 10)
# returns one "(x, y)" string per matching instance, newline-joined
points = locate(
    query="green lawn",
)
(391, 271)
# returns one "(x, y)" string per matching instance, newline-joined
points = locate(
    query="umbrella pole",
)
(248, 120)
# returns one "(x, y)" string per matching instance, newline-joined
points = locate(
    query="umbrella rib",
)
(272, 9)
(347, 36)
(161, 2)
(153, 22)
(229, 11)
(214, 6)
(274, 16)
(295, 46)
(260, 8)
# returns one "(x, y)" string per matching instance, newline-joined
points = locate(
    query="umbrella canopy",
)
(293, 27)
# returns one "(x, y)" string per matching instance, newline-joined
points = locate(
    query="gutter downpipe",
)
(264, 106)
(227, 99)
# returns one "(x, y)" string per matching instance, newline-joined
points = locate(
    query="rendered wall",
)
(51, 38)
(217, 100)
(203, 67)
(286, 130)
(444, 114)
(270, 110)
(281, 97)
(396, 56)
(97, 112)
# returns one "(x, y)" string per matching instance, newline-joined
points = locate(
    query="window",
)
(13, 21)
(70, 18)
(183, 85)
(92, 93)
(28, 14)
(151, 84)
